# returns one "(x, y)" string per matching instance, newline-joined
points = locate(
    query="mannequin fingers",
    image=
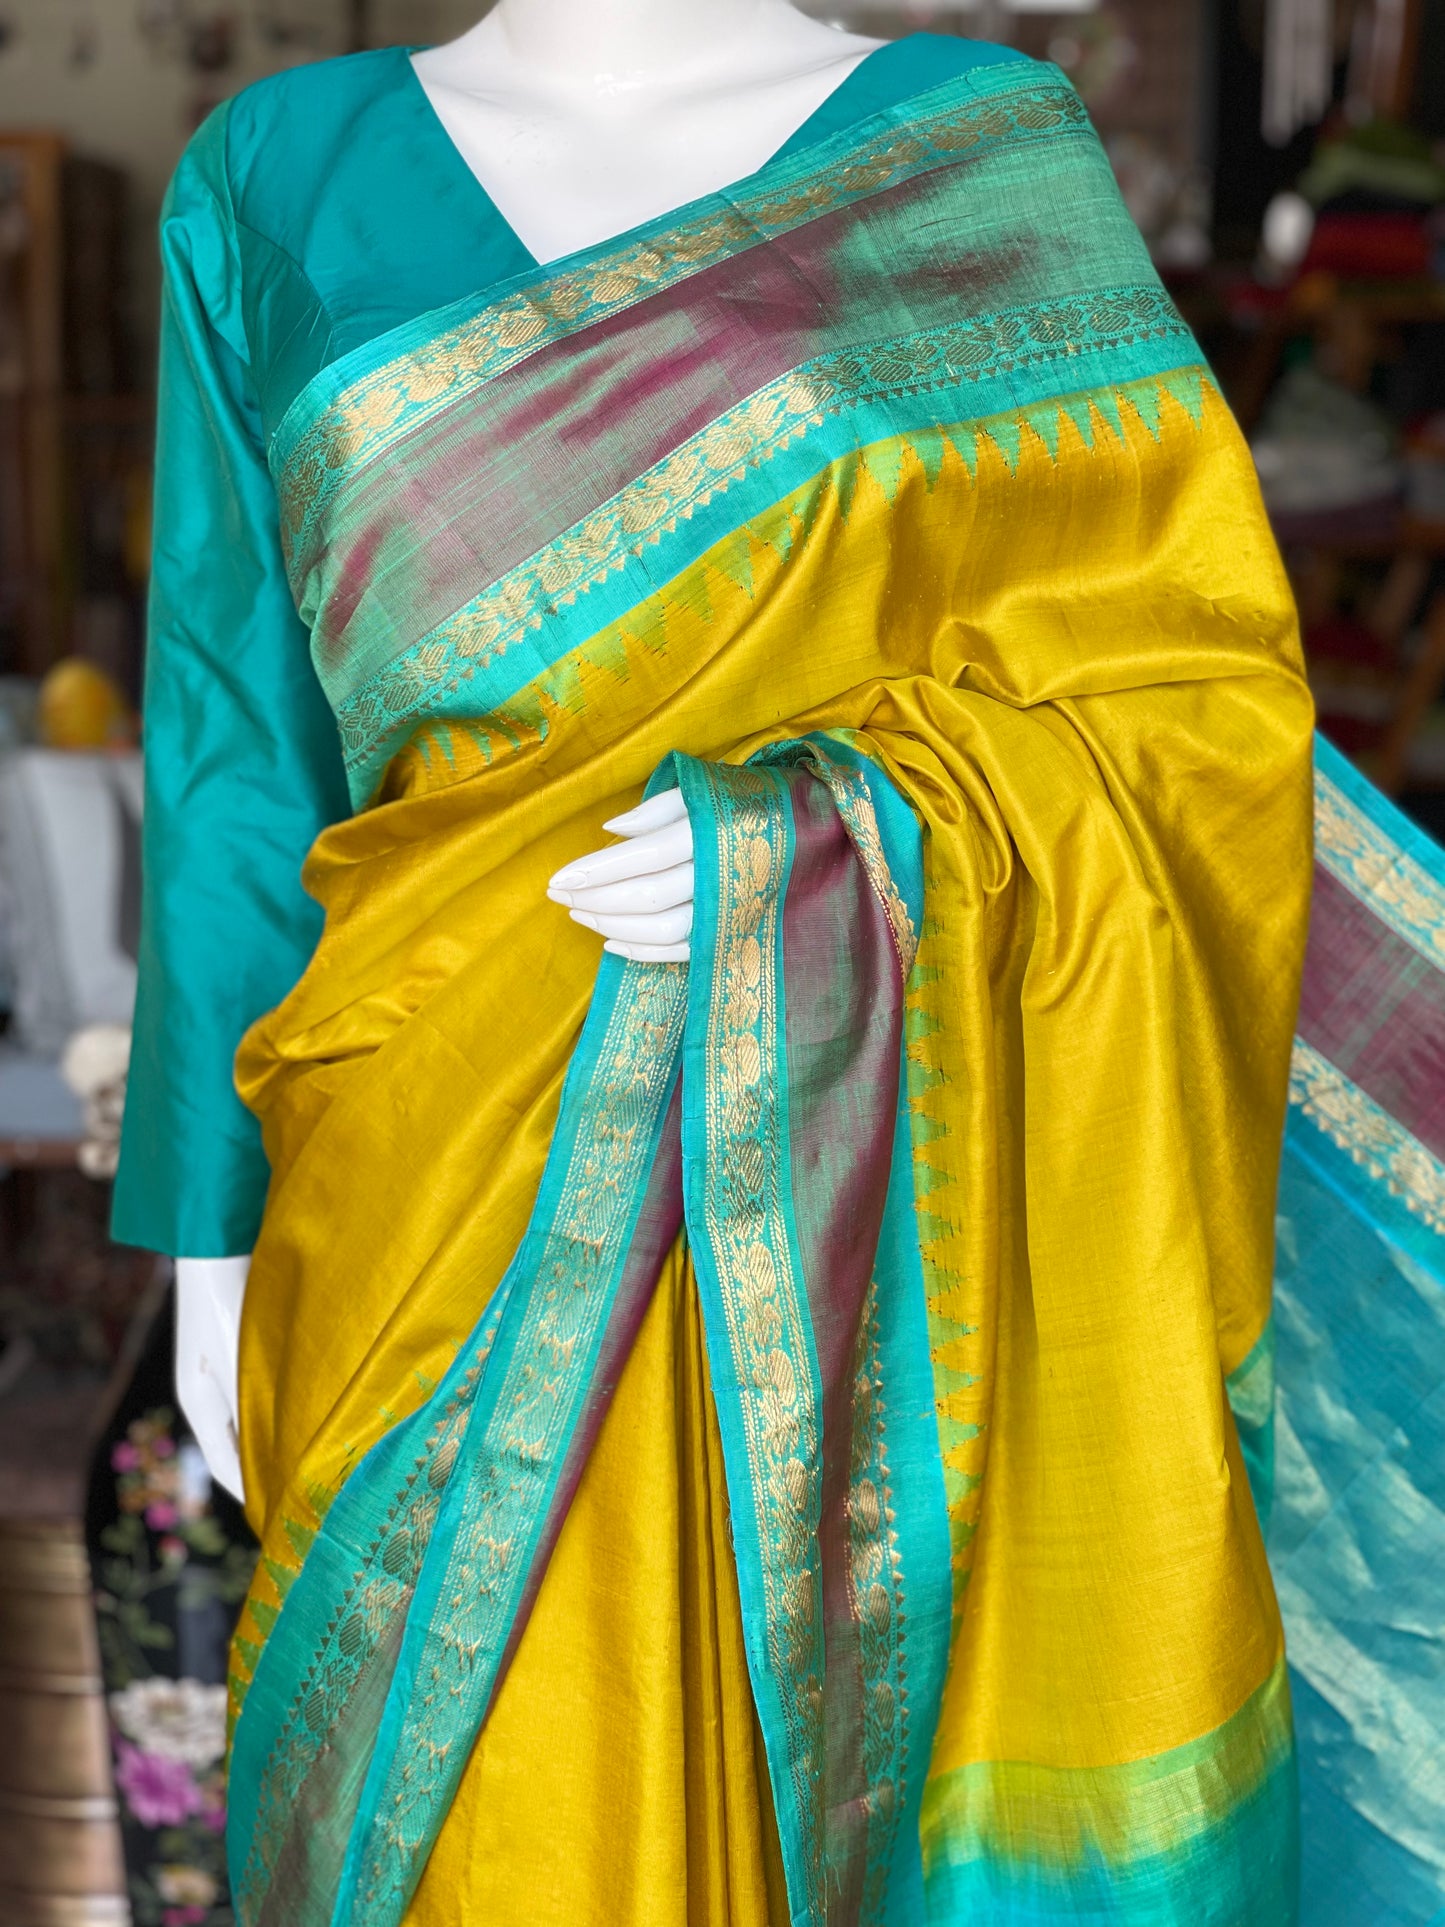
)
(655, 814)
(209, 1296)
(223, 1458)
(202, 1397)
(662, 926)
(639, 856)
(659, 891)
(650, 952)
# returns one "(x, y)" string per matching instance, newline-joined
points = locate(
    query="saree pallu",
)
(752, 1440)
(1356, 1503)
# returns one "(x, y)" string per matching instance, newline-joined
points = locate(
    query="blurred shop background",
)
(1285, 160)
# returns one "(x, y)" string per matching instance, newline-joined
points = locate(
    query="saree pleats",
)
(905, 535)
(637, 1632)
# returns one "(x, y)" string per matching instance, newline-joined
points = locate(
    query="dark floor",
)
(71, 1304)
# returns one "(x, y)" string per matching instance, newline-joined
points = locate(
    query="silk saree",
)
(770, 1439)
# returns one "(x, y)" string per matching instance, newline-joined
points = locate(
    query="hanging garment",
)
(1299, 57)
(762, 1439)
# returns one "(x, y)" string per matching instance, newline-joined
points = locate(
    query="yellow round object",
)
(81, 707)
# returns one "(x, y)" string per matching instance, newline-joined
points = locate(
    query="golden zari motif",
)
(403, 394)
(875, 1590)
(748, 1233)
(854, 805)
(532, 1414)
(1373, 867)
(1367, 1134)
(711, 462)
(378, 1591)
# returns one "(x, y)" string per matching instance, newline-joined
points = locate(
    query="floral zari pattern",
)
(771, 1367)
(525, 1417)
(401, 395)
(713, 461)
(533, 1415)
(762, 1294)
(1367, 1134)
(455, 1505)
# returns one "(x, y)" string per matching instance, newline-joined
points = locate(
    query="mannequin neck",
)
(618, 46)
(583, 118)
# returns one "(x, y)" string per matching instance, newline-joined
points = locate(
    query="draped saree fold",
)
(883, 507)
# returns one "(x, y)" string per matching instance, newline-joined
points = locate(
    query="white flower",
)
(96, 1057)
(179, 1719)
(186, 1887)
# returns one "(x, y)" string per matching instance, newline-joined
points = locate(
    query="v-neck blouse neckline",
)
(797, 142)
(354, 211)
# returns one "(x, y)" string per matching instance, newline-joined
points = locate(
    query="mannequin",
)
(744, 1430)
(582, 119)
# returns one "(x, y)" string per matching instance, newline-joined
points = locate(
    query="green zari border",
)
(505, 1403)
(744, 440)
(773, 1375)
(468, 1608)
(877, 1596)
(353, 413)
(1355, 1124)
(1363, 856)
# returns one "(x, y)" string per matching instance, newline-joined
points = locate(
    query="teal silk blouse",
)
(311, 214)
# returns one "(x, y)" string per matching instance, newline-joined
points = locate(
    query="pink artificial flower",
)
(213, 1803)
(184, 1916)
(124, 1457)
(161, 1515)
(163, 1448)
(158, 1791)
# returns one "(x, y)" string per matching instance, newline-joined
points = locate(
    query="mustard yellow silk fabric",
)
(620, 1776)
(1081, 667)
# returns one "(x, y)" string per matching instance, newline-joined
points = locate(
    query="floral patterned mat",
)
(171, 1559)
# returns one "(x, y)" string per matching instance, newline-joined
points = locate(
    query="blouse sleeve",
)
(243, 764)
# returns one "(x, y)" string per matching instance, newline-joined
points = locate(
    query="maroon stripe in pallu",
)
(843, 1010)
(1375, 1008)
(544, 443)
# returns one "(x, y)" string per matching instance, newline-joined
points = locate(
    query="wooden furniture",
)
(74, 437)
(33, 597)
(60, 1858)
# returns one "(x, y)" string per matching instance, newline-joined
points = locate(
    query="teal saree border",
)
(1357, 1536)
(1003, 356)
(485, 1541)
(401, 1615)
(765, 1375)
(764, 1367)
(917, 1499)
(614, 1099)
(469, 674)
(1378, 854)
(1203, 1857)
(615, 274)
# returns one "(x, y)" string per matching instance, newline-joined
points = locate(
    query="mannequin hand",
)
(637, 893)
(209, 1292)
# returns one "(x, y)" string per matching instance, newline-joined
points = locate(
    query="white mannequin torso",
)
(584, 118)
(581, 119)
